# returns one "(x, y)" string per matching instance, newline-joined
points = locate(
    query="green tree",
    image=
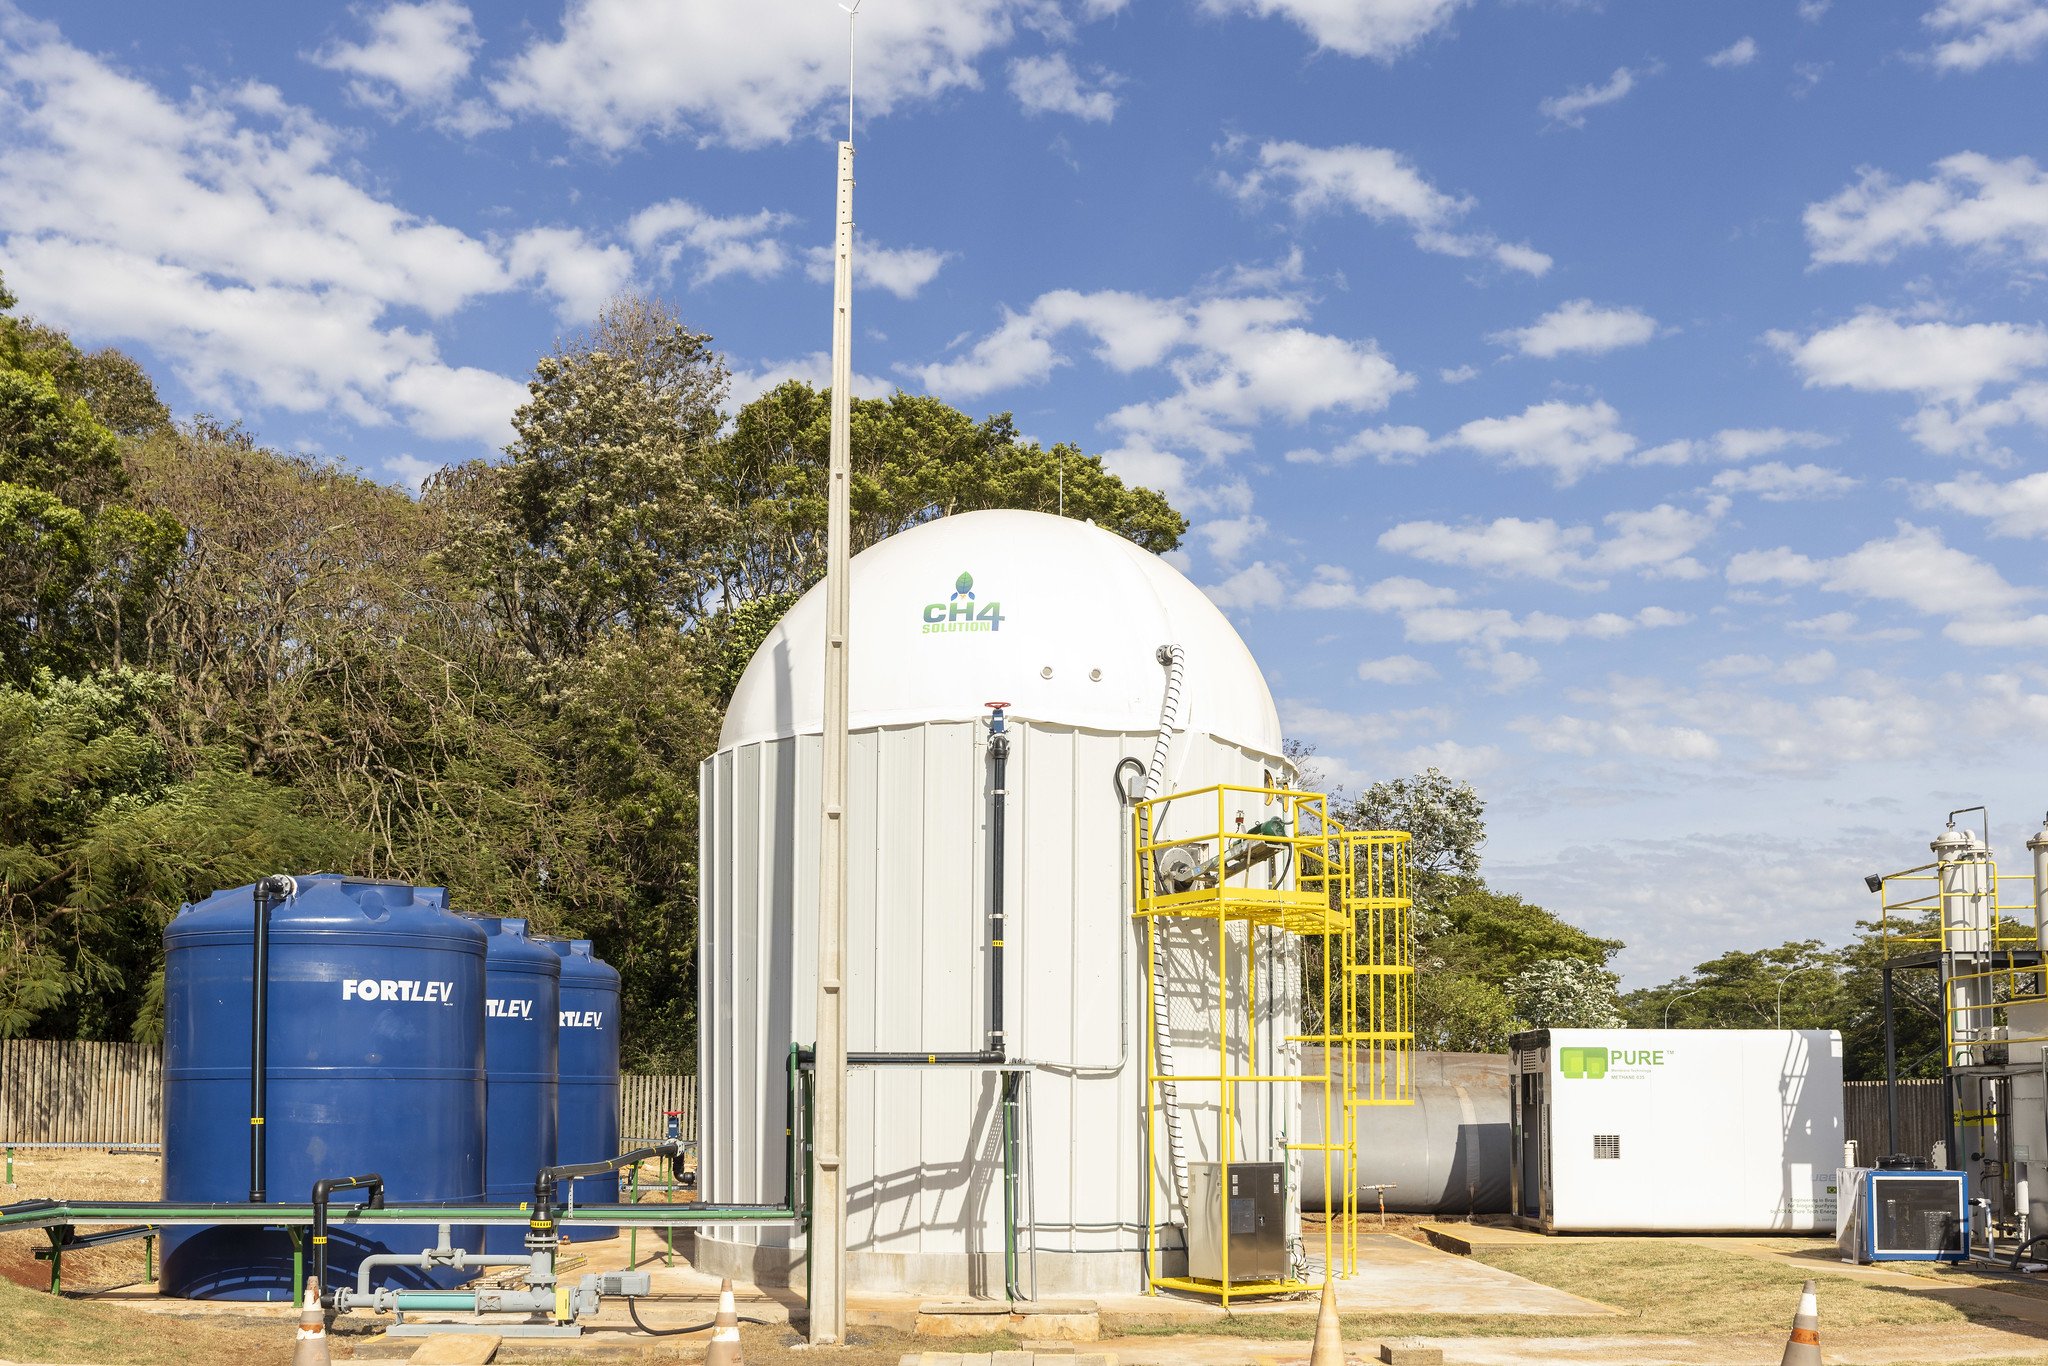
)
(912, 458)
(1564, 993)
(102, 835)
(601, 519)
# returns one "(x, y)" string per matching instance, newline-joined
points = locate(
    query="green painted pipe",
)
(409, 1300)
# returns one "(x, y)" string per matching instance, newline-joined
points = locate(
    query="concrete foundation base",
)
(979, 1275)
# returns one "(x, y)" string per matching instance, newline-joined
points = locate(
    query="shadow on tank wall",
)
(1445, 1154)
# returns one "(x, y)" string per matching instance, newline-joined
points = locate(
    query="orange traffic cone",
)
(311, 1348)
(1329, 1344)
(725, 1334)
(1803, 1347)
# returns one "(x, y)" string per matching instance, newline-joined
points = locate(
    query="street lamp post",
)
(1675, 1000)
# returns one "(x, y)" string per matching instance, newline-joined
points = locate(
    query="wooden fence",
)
(1923, 1118)
(87, 1094)
(111, 1095)
(644, 1103)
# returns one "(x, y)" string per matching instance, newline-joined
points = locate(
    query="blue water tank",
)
(589, 1127)
(376, 1064)
(523, 985)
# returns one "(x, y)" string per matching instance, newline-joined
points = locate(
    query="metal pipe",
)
(2038, 847)
(999, 758)
(323, 1190)
(1891, 1070)
(271, 892)
(1009, 1128)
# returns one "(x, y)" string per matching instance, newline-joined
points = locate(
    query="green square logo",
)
(1583, 1064)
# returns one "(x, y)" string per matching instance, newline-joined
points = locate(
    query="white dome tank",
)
(1063, 622)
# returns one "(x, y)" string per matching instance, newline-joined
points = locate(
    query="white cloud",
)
(1972, 202)
(1875, 352)
(219, 232)
(1848, 627)
(1049, 85)
(1332, 586)
(1657, 543)
(1776, 482)
(1229, 537)
(1257, 585)
(1915, 568)
(1575, 735)
(1812, 10)
(1388, 444)
(740, 245)
(1357, 28)
(580, 274)
(1977, 33)
(1732, 444)
(2018, 508)
(749, 382)
(410, 472)
(1495, 626)
(1741, 52)
(1945, 364)
(1508, 669)
(1579, 326)
(902, 271)
(1458, 375)
(742, 74)
(415, 57)
(1570, 108)
(1396, 670)
(1236, 360)
(1568, 439)
(1384, 186)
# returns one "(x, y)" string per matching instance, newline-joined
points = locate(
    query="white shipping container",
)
(1677, 1130)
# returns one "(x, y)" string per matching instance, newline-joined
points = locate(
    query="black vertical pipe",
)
(270, 893)
(1891, 1071)
(999, 756)
(259, 1030)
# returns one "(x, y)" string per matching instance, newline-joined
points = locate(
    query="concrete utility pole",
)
(827, 1249)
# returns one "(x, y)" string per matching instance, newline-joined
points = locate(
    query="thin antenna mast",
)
(827, 1250)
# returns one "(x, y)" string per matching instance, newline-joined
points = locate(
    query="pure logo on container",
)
(960, 612)
(508, 1009)
(1598, 1064)
(389, 989)
(581, 1019)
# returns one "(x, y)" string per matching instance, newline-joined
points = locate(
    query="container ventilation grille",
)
(1606, 1145)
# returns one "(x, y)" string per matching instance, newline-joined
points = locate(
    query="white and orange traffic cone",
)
(725, 1334)
(1328, 1349)
(311, 1348)
(1803, 1347)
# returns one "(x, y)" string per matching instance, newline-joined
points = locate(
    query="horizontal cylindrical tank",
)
(1445, 1154)
(521, 1059)
(376, 1064)
(588, 1130)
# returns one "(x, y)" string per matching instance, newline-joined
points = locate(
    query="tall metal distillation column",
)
(1966, 933)
(827, 1249)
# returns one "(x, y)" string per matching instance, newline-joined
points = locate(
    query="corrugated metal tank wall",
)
(925, 1204)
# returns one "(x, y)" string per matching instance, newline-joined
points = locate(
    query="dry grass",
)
(38, 1326)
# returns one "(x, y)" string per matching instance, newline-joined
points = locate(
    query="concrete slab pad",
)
(457, 1349)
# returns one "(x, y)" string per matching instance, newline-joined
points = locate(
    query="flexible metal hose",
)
(1174, 660)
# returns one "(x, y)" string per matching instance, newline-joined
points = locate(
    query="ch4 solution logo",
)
(1598, 1064)
(961, 612)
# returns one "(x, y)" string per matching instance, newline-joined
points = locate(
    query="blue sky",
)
(1637, 408)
